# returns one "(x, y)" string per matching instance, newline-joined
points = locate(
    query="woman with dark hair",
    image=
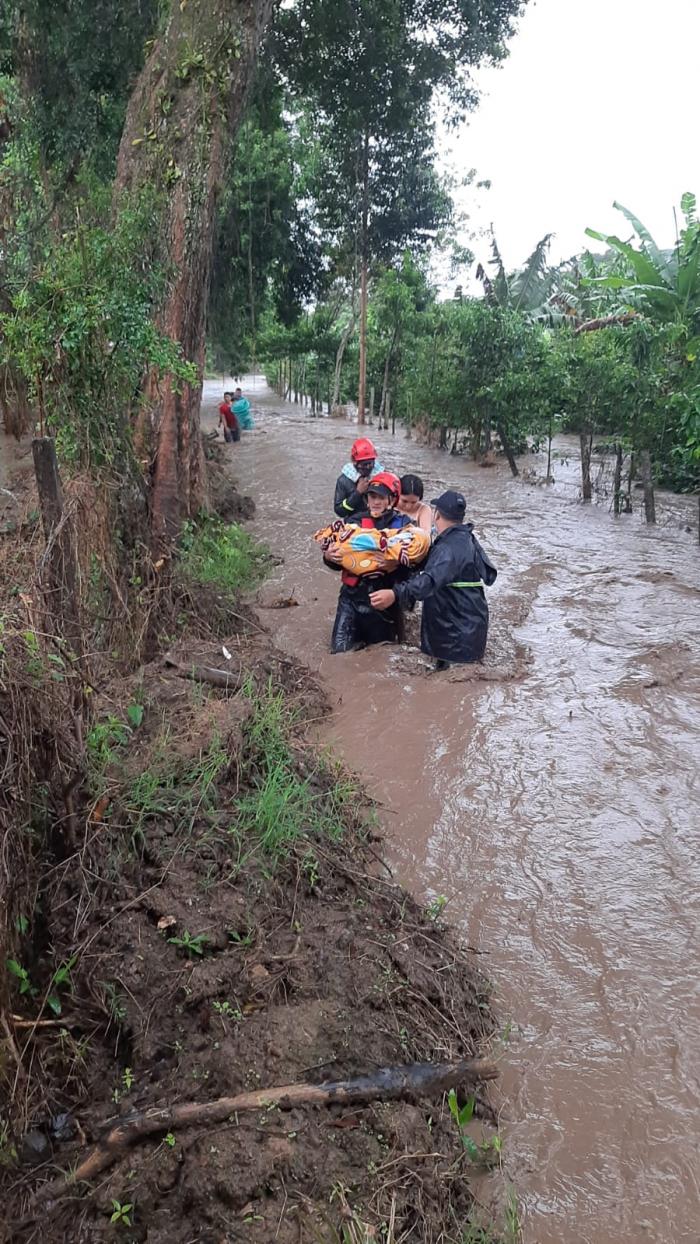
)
(411, 502)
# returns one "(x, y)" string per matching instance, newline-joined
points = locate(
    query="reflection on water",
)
(553, 798)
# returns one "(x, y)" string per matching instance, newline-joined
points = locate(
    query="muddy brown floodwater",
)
(553, 798)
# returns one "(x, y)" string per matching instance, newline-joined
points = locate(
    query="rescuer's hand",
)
(382, 600)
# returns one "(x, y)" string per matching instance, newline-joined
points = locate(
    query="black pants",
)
(358, 624)
(231, 435)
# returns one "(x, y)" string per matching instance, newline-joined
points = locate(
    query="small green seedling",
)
(22, 975)
(192, 945)
(513, 1225)
(226, 1011)
(311, 869)
(489, 1151)
(60, 978)
(436, 907)
(462, 1116)
(170, 1140)
(128, 1080)
(121, 1213)
(116, 1002)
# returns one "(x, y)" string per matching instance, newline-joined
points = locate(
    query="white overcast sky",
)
(598, 100)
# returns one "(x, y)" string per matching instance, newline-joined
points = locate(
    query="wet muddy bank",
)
(553, 799)
(228, 927)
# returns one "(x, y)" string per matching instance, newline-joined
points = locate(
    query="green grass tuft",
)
(223, 555)
(281, 806)
(169, 787)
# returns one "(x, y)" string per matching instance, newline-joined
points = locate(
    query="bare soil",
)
(312, 965)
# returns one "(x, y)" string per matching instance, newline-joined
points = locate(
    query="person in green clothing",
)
(241, 409)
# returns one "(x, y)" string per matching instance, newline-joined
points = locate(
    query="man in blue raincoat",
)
(451, 585)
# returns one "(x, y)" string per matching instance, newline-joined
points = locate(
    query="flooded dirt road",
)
(553, 798)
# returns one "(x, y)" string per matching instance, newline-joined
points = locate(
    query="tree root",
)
(389, 1083)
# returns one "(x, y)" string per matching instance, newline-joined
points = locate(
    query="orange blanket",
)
(361, 545)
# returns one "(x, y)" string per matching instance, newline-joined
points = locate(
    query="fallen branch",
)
(19, 1022)
(204, 673)
(591, 326)
(389, 1083)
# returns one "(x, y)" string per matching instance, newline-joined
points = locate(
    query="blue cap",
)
(452, 505)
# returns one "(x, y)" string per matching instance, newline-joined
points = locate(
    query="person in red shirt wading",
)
(232, 431)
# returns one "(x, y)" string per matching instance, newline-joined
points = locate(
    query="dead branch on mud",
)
(205, 674)
(387, 1084)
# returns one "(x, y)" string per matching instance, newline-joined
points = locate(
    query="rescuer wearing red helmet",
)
(352, 484)
(357, 623)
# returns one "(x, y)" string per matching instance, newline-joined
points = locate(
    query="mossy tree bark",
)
(188, 98)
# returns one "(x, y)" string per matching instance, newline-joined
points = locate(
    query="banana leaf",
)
(688, 279)
(644, 270)
(653, 251)
(688, 207)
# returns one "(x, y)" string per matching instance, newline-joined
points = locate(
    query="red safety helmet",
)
(363, 450)
(389, 480)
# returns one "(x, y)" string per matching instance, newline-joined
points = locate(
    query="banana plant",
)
(665, 285)
(525, 290)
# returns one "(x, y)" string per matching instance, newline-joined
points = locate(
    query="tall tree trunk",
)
(187, 102)
(61, 591)
(385, 379)
(617, 478)
(586, 440)
(486, 432)
(251, 275)
(507, 448)
(630, 477)
(549, 452)
(648, 484)
(363, 281)
(342, 346)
